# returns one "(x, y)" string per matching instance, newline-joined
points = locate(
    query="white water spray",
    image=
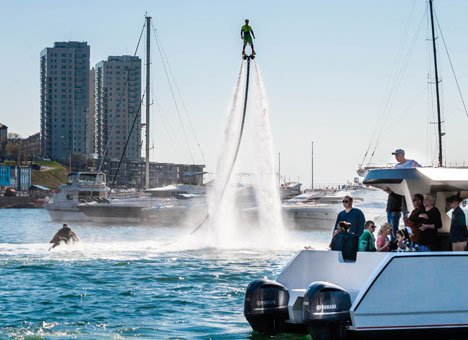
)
(226, 226)
(266, 188)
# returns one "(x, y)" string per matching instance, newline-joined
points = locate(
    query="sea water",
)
(128, 281)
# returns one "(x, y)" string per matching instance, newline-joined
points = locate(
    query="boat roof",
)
(440, 182)
(436, 179)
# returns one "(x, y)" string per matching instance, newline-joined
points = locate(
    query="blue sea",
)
(126, 281)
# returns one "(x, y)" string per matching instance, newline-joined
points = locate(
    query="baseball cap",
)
(398, 151)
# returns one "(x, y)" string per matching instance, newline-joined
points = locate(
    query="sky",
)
(338, 73)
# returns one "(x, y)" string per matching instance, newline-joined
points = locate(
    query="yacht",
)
(289, 190)
(166, 205)
(318, 209)
(376, 295)
(80, 187)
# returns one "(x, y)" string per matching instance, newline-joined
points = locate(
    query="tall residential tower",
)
(118, 95)
(64, 99)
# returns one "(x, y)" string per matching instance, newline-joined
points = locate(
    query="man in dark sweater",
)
(354, 217)
(458, 230)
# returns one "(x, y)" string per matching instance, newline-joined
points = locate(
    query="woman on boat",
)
(430, 222)
(383, 242)
(413, 221)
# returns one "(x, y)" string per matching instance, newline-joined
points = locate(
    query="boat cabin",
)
(440, 182)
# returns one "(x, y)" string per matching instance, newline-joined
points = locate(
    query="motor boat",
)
(289, 190)
(376, 295)
(80, 187)
(165, 205)
(318, 209)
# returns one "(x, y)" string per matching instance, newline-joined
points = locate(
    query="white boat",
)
(290, 189)
(80, 187)
(319, 209)
(379, 295)
(165, 205)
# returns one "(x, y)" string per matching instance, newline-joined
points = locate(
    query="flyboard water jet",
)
(248, 59)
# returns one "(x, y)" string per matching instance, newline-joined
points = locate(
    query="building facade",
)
(31, 147)
(118, 115)
(90, 138)
(3, 140)
(64, 99)
(131, 174)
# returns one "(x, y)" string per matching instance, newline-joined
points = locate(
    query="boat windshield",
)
(86, 178)
(91, 178)
(71, 178)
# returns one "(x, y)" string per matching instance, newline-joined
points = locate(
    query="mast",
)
(439, 123)
(312, 168)
(279, 169)
(148, 62)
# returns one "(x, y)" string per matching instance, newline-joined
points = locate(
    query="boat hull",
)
(409, 295)
(66, 214)
(438, 332)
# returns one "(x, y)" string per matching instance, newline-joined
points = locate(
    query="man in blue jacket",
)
(354, 217)
(458, 230)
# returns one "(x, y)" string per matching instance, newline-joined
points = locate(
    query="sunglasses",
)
(345, 201)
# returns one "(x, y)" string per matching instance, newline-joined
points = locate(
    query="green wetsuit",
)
(246, 29)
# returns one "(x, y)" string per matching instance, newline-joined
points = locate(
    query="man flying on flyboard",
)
(246, 34)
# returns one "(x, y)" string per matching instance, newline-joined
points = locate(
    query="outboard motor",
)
(266, 306)
(325, 311)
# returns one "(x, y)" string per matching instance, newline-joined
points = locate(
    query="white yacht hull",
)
(391, 294)
(66, 214)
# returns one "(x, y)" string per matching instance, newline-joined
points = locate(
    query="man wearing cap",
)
(458, 230)
(404, 163)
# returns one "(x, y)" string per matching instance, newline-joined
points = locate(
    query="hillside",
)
(51, 175)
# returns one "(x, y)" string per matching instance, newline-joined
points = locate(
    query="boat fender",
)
(325, 311)
(266, 306)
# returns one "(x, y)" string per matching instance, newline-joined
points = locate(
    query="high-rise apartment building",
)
(90, 139)
(118, 95)
(64, 99)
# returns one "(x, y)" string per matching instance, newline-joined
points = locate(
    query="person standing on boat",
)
(458, 230)
(430, 222)
(413, 221)
(394, 206)
(404, 163)
(246, 34)
(354, 217)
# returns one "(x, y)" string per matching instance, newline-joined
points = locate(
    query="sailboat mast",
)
(312, 168)
(439, 123)
(148, 62)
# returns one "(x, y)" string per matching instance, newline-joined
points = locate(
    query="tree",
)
(12, 149)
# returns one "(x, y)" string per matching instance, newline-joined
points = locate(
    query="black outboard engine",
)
(325, 311)
(266, 306)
